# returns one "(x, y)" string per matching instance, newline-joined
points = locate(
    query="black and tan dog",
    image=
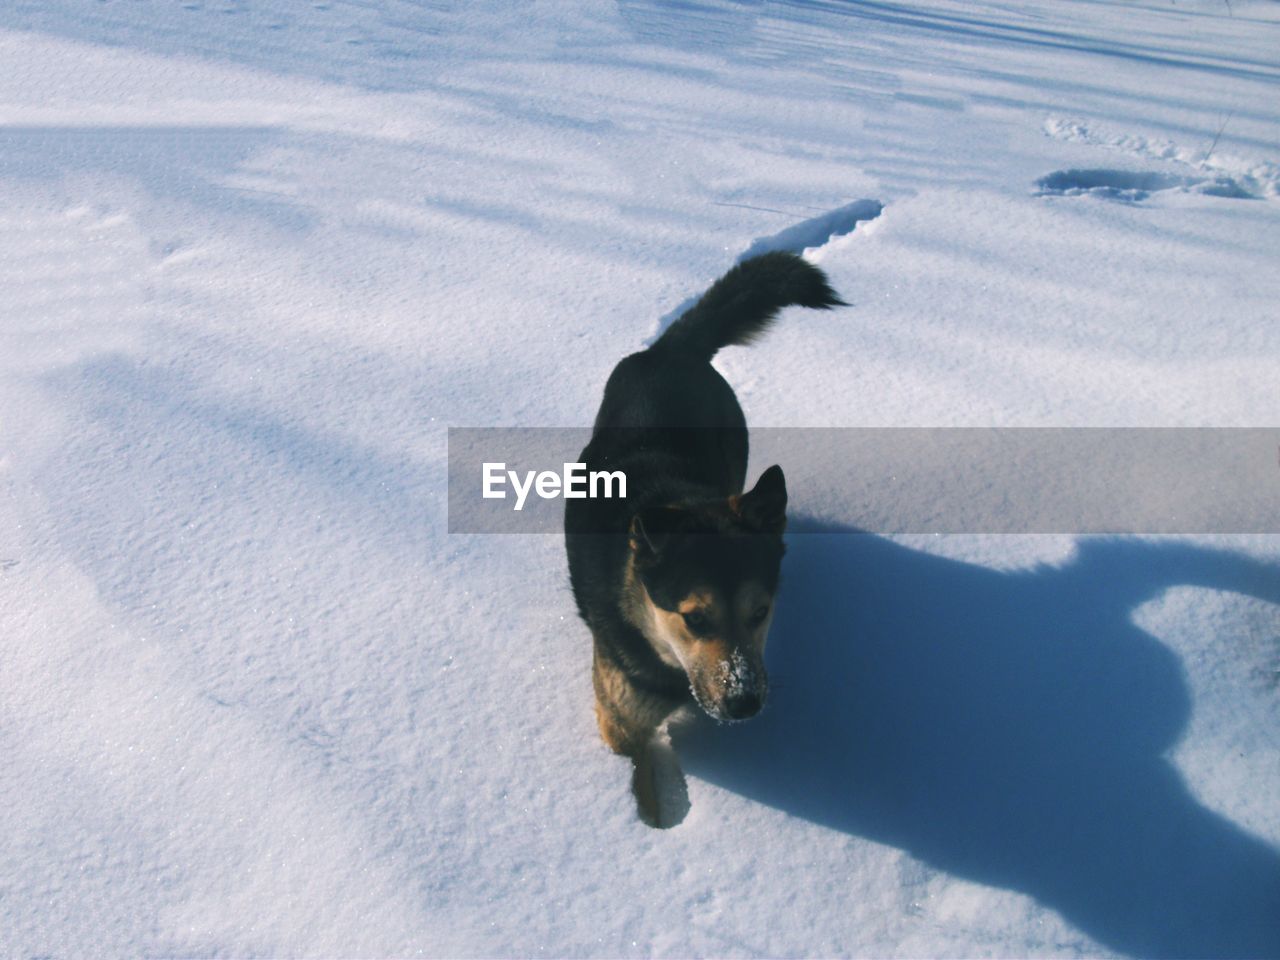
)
(677, 580)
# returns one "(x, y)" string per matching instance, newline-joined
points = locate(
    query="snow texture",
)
(257, 257)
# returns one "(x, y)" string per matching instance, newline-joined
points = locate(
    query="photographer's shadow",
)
(1009, 728)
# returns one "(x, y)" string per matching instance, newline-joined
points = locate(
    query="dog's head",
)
(704, 580)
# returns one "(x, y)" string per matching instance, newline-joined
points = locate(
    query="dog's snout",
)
(742, 705)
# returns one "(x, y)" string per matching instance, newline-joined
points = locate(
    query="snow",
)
(257, 258)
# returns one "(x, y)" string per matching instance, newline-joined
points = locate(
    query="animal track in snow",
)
(814, 232)
(1205, 161)
(1132, 186)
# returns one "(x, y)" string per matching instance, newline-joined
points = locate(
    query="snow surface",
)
(256, 257)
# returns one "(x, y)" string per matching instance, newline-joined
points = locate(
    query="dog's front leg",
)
(644, 785)
(629, 720)
(662, 796)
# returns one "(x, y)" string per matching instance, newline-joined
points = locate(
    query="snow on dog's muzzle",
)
(738, 688)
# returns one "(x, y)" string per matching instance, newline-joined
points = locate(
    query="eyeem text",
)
(573, 483)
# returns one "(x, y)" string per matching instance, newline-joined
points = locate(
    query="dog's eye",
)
(697, 622)
(759, 613)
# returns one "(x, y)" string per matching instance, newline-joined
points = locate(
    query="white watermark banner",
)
(914, 480)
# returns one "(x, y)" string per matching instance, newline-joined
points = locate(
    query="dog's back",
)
(657, 400)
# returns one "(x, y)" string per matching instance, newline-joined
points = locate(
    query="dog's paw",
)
(662, 796)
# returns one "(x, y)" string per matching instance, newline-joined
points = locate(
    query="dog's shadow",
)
(1009, 728)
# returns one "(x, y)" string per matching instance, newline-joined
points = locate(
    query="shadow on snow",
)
(1009, 728)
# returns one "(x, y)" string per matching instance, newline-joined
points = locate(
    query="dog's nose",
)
(743, 705)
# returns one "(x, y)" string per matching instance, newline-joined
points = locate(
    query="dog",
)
(676, 581)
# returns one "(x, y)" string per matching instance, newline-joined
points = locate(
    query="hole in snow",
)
(1133, 186)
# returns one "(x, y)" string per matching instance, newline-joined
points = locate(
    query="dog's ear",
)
(764, 507)
(651, 531)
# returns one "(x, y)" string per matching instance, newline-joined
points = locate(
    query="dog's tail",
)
(741, 305)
